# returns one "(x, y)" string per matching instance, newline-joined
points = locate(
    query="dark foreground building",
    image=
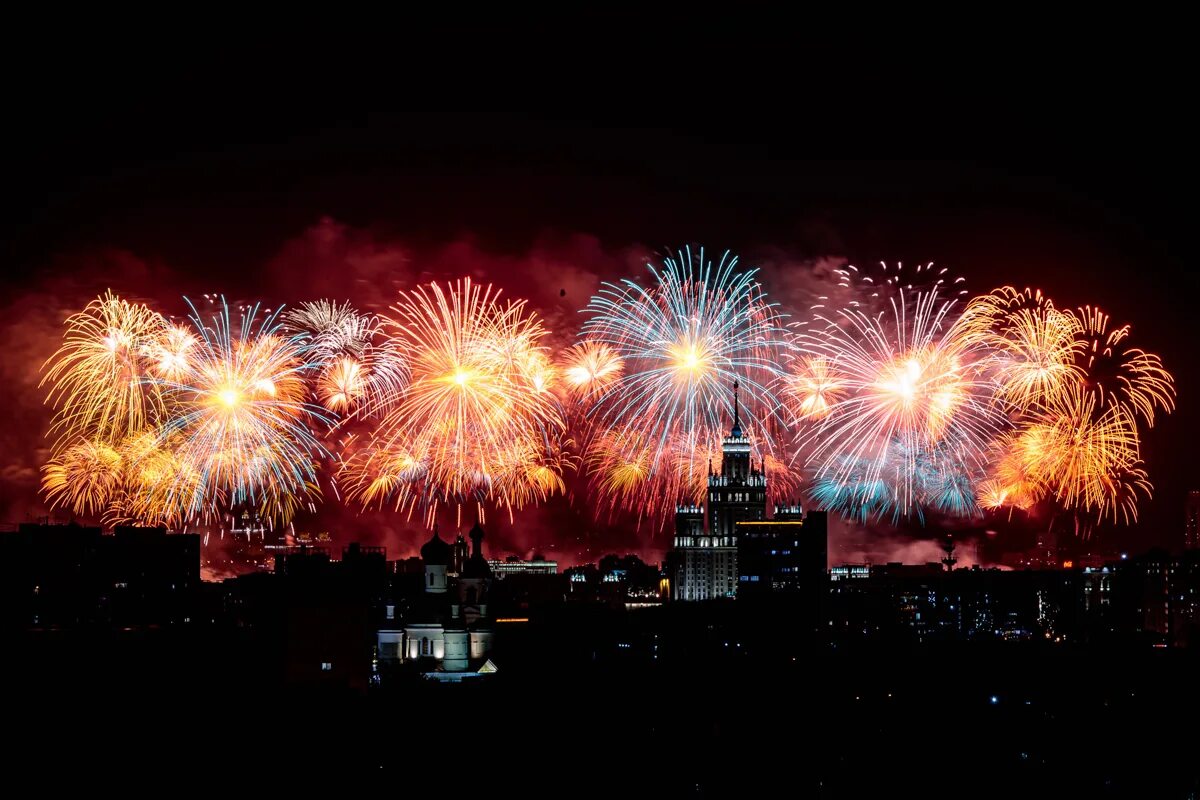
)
(70, 575)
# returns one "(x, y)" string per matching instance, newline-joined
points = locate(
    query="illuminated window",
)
(326, 666)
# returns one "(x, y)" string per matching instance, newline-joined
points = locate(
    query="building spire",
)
(736, 431)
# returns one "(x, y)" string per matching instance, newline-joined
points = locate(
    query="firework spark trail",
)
(1117, 374)
(241, 417)
(898, 404)
(911, 392)
(478, 421)
(357, 363)
(682, 341)
(1034, 346)
(98, 376)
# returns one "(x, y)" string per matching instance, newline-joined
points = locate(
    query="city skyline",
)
(784, 420)
(337, 243)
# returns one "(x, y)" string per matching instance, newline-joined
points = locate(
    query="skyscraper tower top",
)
(735, 448)
(736, 431)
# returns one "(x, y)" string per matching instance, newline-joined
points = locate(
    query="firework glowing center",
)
(690, 360)
(901, 381)
(476, 424)
(229, 398)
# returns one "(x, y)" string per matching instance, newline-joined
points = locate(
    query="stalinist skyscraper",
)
(703, 563)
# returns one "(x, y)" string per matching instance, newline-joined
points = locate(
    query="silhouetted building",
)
(1191, 521)
(314, 618)
(784, 554)
(702, 565)
(926, 602)
(459, 553)
(68, 575)
(617, 581)
(1148, 579)
(1185, 599)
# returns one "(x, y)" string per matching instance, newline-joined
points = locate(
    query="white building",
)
(448, 633)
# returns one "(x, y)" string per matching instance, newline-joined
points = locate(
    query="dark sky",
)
(159, 197)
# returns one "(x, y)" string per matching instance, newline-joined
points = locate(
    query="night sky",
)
(285, 205)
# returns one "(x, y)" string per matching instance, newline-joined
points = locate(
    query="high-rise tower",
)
(1191, 522)
(703, 563)
(739, 492)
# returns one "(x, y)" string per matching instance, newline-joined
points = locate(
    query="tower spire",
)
(737, 423)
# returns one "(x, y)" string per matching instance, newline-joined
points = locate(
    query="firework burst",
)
(1117, 374)
(83, 477)
(477, 420)
(1086, 455)
(1034, 346)
(811, 388)
(355, 361)
(99, 377)
(241, 418)
(590, 368)
(914, 411)
(681, 342)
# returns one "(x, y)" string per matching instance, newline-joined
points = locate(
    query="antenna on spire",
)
(737, 424)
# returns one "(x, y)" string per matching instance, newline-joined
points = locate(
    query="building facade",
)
(514, 565)
(1191, 521)
(448, 633)
(703, 562)
(786, 553)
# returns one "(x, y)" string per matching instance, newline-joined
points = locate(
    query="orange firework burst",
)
(812, 388)
(342, 384)
(137, 481)
(1086, 455)
(242, 420)
(476, 421)
(1033, 344)
(589, 368)
(1075, 391)
(83, 477)
(157, 484)
(1013, 480)
(99, 376)
(1117, 374)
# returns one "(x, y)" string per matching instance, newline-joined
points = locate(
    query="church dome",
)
(435, 551)
(477, 566)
